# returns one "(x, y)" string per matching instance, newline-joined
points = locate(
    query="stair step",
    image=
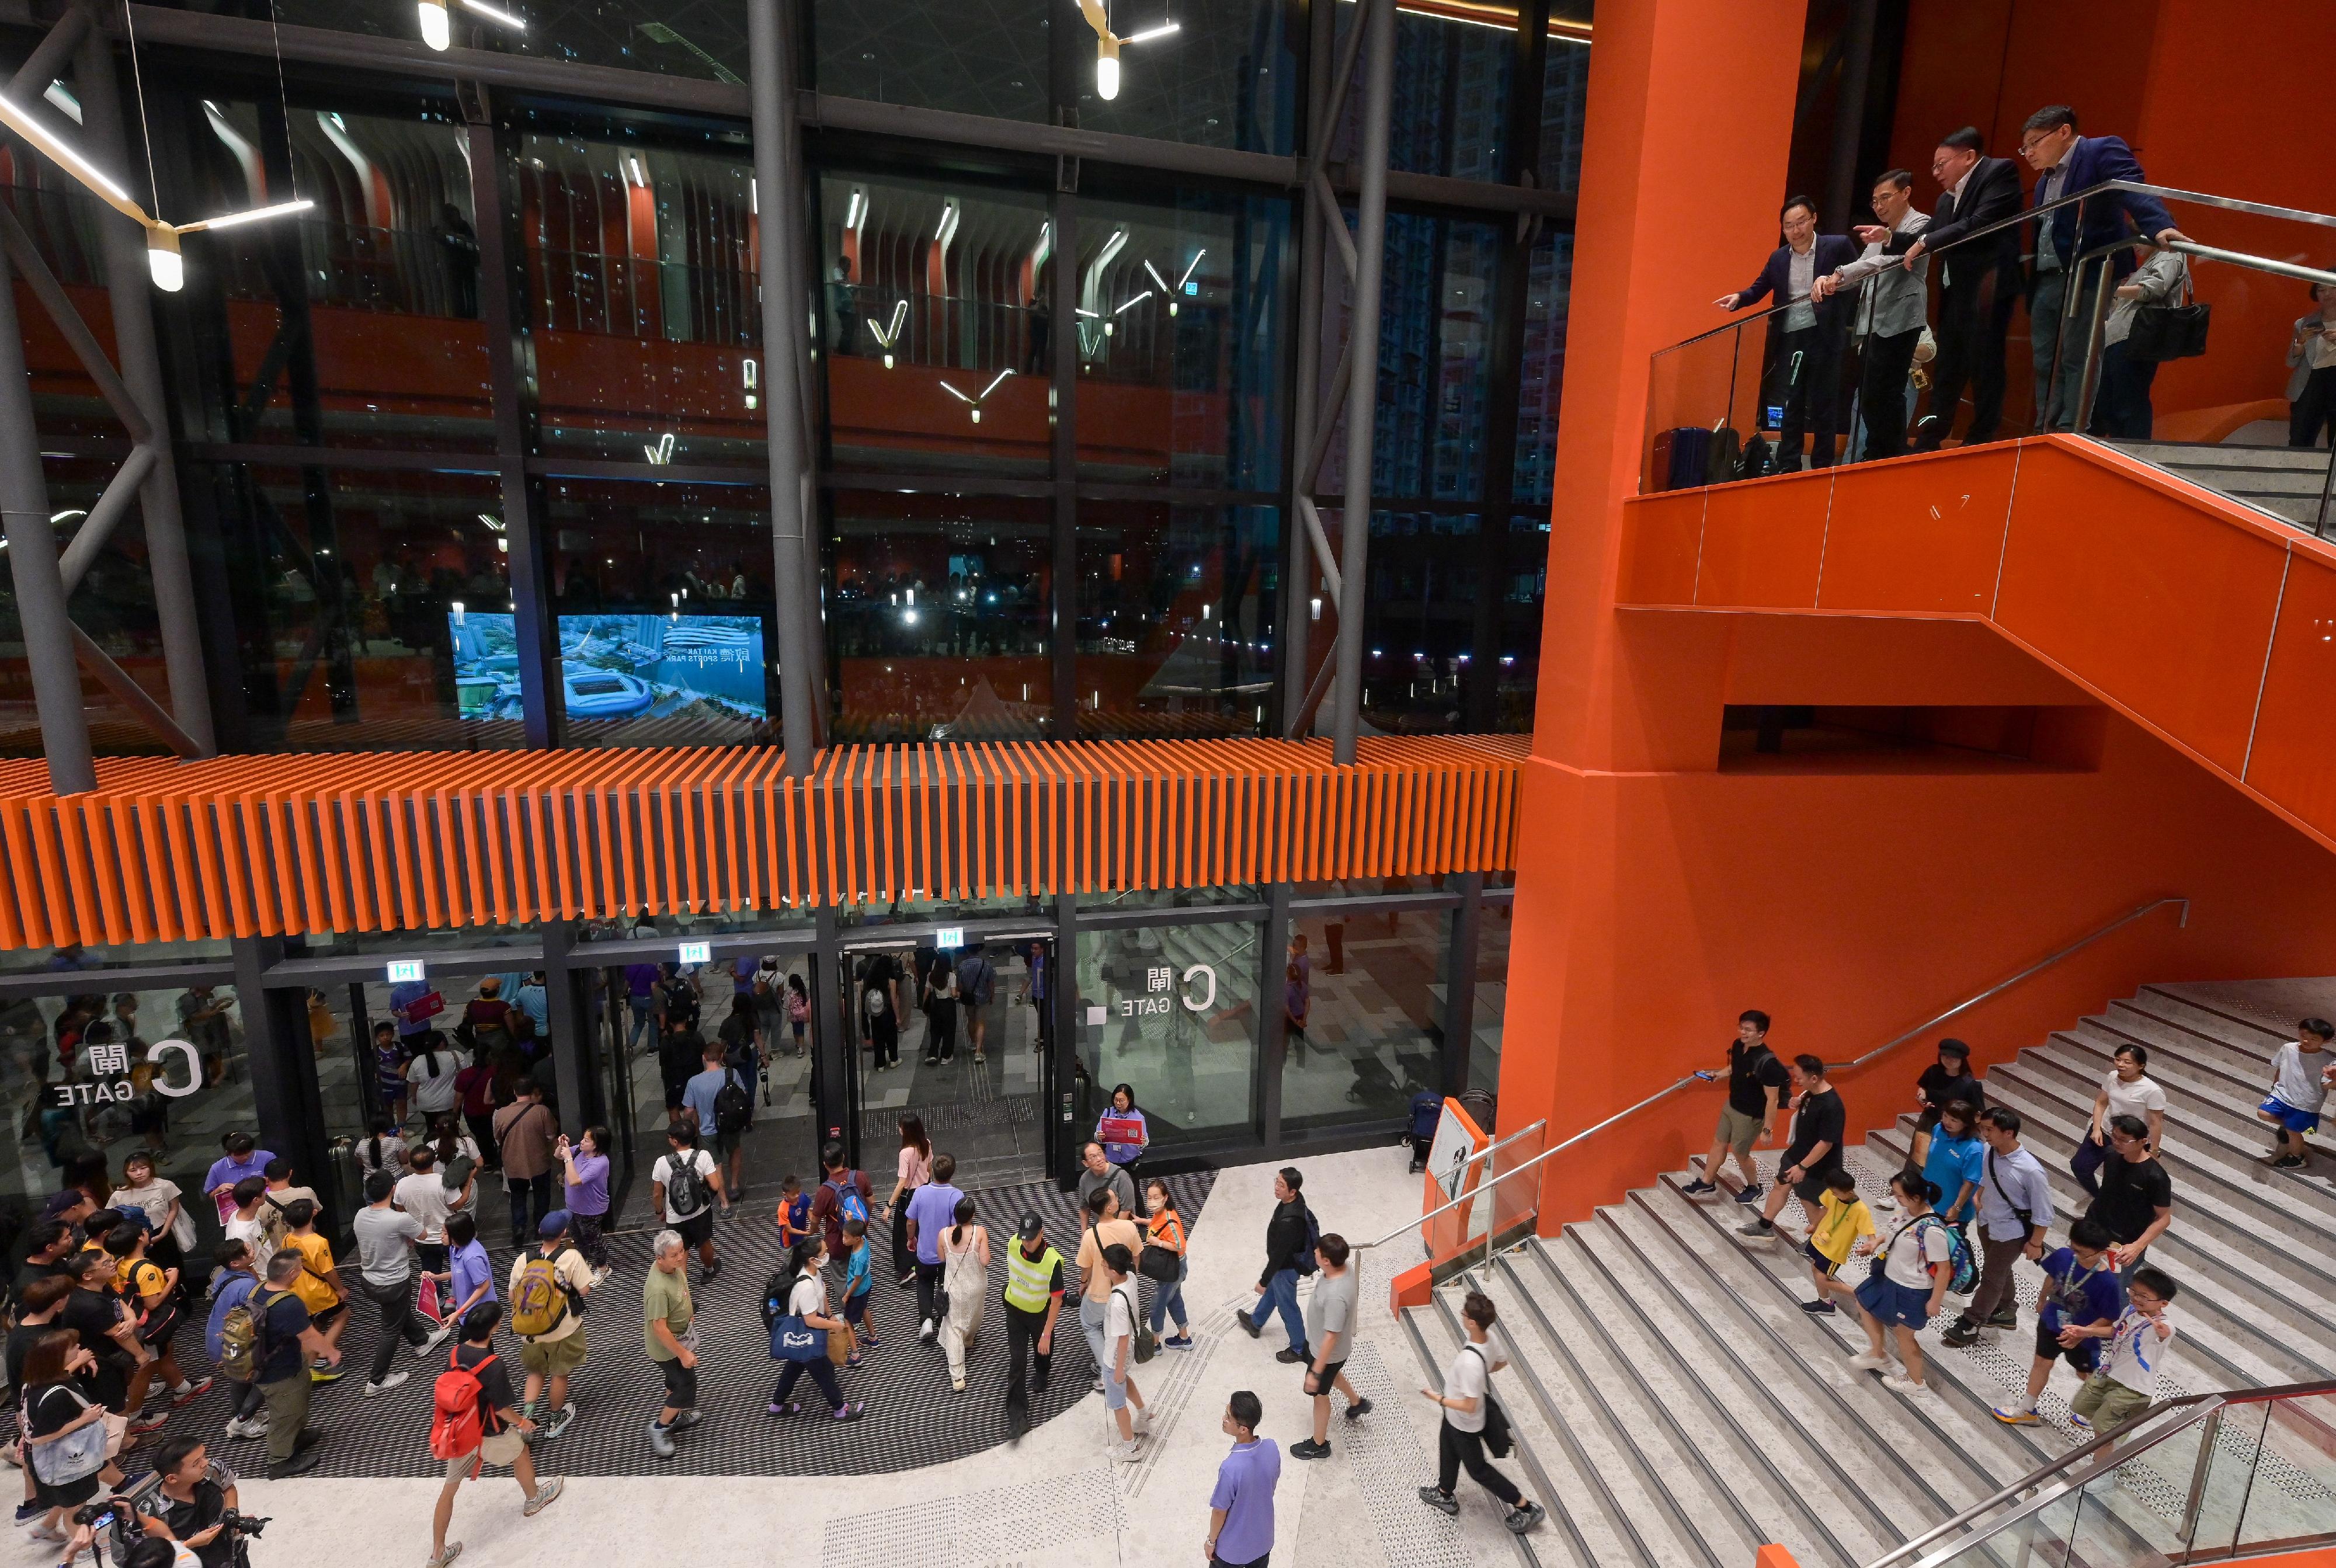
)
(2272, 1007)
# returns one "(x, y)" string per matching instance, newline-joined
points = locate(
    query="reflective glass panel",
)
(357, 323)
(1540, 365)
(1363, 1009)
(1175, 618)
(1524, 579)
(939, 615)
(644, 328)
(709, 42)
(1180, 340)
(987, 58)
(1492, 997)
(1564, 97)
(935, 299)
(1178, 1025)
(59, 215)
(1451, 103)
(667, 617)
(1225, 78)
(346, 590)
(1419, 619)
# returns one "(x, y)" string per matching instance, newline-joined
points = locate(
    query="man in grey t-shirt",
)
(386, 1241)
(1330, 1331)
(1099, 1172)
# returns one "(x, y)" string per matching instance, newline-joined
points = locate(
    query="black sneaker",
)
(301, 1464)
(2288, 1162)
(1751, 1194)
(1308, 1449)
(1288, 1357)
(712, 1272)
(1248, 1323)
(1825, 1309)
(1358, 1409)
(1698, 1188)
(1520, 1519)
(1442, 1502)
(1963, 1331)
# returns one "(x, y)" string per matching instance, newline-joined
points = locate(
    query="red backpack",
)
(455, 1425)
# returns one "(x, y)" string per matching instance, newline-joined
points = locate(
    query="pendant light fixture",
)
(438, 25)
(1109, 43)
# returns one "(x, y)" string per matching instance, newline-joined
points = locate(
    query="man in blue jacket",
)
(1807, 339)
(2068, 163)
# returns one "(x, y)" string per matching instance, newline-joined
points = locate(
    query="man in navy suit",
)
(1805, 341)
(1978, 283)
(2068, 164)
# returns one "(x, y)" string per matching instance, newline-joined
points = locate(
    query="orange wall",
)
(1657, 896)
(1778, 1557)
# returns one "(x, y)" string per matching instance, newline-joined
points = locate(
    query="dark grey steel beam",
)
(1363, 356)
(50, 56)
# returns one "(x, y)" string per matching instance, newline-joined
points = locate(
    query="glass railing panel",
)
(2290, 1501)
(2222, 1486)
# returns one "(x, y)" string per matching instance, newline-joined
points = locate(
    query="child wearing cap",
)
(548, 1287)
(859, 1283)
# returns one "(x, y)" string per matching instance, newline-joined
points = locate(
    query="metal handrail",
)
(1498, 1145)
(1664, 1094)
(1927, 1025)
(2028, 214)
(2197, 1409)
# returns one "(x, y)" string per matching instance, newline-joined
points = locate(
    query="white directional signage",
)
(697, 952)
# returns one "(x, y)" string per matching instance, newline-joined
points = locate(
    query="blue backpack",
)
(848, 1198)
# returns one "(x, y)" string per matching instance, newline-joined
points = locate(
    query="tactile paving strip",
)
(913, 1418)
(1073, 1518)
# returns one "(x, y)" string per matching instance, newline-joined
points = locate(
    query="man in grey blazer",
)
(1889, 312)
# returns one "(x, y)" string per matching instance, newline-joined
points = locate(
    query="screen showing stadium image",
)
(619, 667)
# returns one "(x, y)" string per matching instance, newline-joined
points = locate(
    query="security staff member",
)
(1034, 1300)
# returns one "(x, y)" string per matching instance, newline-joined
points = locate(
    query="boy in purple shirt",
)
(931, 1210)
(1241, 1509)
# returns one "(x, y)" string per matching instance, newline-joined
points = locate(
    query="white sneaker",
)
(926, 1331)
(1128, 1453)
(437, 1337)
(1886, 1205)
(1143, 1422)
(1906, 1386)
(386, 1384)
(1869, 1363)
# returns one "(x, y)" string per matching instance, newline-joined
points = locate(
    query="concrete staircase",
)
(1674, 1405)
(2285, 481)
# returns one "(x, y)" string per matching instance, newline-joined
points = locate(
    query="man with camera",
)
(195, 1507)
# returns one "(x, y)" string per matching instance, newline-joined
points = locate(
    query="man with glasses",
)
(1975, 283)
(1889, 312)
(2067, 164)
(1807, 339)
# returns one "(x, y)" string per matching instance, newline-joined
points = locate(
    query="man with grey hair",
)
(668, 1318)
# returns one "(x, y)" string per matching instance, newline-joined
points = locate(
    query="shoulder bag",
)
(2163, 332)
(1497, 1434)
(76, 1456)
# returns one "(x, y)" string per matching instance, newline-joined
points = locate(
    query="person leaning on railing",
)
(1889, 312)
(2121, 407)
(1807, 337)
(1977, 284)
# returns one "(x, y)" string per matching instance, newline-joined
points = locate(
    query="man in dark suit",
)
(1806, 340)
(1978, 283)
(2068, 163)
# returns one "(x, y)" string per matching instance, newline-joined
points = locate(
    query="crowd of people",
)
(1853, 315)
(1972, 1202)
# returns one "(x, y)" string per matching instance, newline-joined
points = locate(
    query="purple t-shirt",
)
(640, 979)
(933, 1207)
(590, 1195)
(226, 1172)
(1245, 1484)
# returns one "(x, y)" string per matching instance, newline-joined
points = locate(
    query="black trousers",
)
(1022, 1331)
(1881, 392)
(928, 1282)
(1805, 379)
(904, 1256)
(398, 1321)
(2316, 409)
(1974, 315)
(1456, 1450)
(821, 1372)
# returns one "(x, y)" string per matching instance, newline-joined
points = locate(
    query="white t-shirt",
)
(809, 1298)
(1906, 1263)
(2298, 1082)
(2135, 1356)
(662, 1175)
(425, 1196)
(2137, 1098)
(248, 1231)
(1467, 1378)
(1118, 1323)
(434, 1095)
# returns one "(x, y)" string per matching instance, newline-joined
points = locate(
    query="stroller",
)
(1426, 1110)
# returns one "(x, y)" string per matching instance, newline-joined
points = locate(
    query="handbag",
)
(2163, 332)
(841, 1343)
(76, 1456)
(1159, 1264)
(793, 1340)
(1144, 1344)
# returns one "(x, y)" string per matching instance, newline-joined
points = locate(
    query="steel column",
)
(33, 564)
(779, 208)
(130, 291)
(286, 1101)
(1362, 392)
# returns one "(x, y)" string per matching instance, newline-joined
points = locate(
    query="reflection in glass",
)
(668, 629)
(1180, 340)
(1419, 619)
(1565, 102)
(931, 56)
(1180, 1025)
(935, 302)
(356, 323)
(342, 586)
(1524, 578)
(705, 41)
(1175, 618)
(59, 215)
(1492, 997)
(1365, 1015)
(1225, 78)
(1541, 367)
(643, 317)
(1451, 98)
(939, 616)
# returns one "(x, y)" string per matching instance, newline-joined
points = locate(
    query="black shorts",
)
(696, 1231)
(1928, 1121)
(680, 1384)
(325, 1317)
(2084, 1355)
(1810, 1189)
(1329, 1377)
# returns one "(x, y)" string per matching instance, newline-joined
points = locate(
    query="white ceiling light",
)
(437, 26)
(975, 403)
(1108, 44)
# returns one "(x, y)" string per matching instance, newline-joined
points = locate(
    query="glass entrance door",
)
(951, 1037)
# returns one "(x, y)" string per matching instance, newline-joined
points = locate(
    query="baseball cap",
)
(1031, 1226)
(553, 1225)
(61, 1203)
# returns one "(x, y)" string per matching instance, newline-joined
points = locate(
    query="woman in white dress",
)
(964, 1275)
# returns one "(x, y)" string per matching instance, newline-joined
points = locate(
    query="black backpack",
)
(1498, 1436)
(686, 1191)
(734, 1107)
(1305, 1264)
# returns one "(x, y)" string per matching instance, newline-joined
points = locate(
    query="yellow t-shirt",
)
(318, 1253)
(1839, 1226)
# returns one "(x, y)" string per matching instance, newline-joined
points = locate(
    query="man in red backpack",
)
(474, 1422)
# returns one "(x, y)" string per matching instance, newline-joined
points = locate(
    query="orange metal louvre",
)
(267, 846)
